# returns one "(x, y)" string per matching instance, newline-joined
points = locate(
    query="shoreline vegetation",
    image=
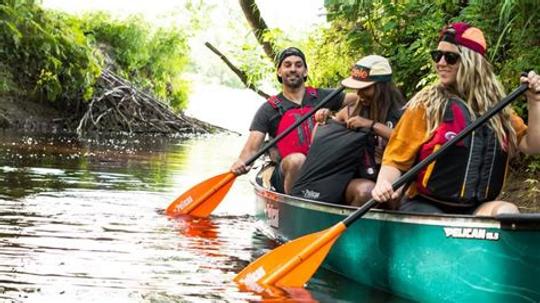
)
(54, 66)
(58, 71)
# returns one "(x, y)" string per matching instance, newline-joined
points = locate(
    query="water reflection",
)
(83, 221)
(196, 227)
(99, 163)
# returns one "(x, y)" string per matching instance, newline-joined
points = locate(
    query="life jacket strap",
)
(277, 103)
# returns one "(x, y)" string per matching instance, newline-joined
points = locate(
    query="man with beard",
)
(283, 110)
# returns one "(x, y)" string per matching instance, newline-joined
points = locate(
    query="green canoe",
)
(428, 258)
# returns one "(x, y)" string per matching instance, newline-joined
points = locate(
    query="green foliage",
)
(405, 31)
(7, 83)
(154, 60)
(257, 66)
(199, 14)
(54, 55)
(47, 52)
(328, 65)
(533, 164)
(513, 32)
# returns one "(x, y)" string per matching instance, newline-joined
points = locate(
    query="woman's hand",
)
(533, 80)
(239, 168)
(531, 142)
(358, 122)
(322, 115)
(383, 191)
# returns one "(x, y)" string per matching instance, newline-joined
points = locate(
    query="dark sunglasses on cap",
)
(450, 57)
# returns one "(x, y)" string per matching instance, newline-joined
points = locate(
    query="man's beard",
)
(293, 83)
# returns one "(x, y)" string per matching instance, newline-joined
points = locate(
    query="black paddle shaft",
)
(415, 169)
(292, 127)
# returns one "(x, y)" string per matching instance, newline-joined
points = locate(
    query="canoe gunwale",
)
(508, 222)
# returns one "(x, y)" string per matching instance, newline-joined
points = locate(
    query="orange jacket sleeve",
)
(519, 126)
(407, 138)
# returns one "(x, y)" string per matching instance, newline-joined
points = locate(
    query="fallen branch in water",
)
(123, 108)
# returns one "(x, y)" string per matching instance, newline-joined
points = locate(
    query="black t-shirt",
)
(392, 117)
(266, 119)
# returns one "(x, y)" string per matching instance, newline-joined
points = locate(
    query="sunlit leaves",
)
(513, 35)
(199, 14)
(56, 55)
(329, 58)
(405, 31)
(253, 61)
(46, 51)
(153, 59)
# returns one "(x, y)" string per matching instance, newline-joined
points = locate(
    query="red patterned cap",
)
(461, 33)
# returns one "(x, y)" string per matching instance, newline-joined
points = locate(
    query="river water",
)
(83, 221)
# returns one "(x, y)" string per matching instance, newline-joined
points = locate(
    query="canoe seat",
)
(265, 173)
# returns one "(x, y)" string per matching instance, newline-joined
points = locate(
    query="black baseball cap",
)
(290, 51)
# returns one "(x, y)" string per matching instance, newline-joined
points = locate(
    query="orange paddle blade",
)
(201, 199)
(291, 264)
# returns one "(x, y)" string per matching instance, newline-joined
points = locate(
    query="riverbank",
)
(523, 188)
(18, 113)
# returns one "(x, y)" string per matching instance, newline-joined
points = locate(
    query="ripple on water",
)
(90, 245)
(83, 221)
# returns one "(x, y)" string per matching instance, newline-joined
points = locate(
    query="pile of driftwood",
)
(123, 108)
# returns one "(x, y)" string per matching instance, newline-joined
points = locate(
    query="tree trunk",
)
(259, 27)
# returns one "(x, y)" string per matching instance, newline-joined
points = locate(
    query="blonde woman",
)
(468, 179)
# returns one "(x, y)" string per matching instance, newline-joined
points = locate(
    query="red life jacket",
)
(297, 141)
(472, 171)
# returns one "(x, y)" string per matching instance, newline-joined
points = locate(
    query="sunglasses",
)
(450, 57)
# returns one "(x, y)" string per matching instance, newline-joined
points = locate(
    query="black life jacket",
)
(297, 141)
(472, 171)
(334, 157)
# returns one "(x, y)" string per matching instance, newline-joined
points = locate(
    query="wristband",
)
(371, 127)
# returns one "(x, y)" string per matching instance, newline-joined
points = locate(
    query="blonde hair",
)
(478, 86)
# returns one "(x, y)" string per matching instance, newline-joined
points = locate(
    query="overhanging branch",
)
(241, 74)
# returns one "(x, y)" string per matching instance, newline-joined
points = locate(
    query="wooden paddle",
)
(293, 263)
(203, 198)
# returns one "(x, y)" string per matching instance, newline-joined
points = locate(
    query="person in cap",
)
(468, 179)
(377, 110)
(279, 112)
